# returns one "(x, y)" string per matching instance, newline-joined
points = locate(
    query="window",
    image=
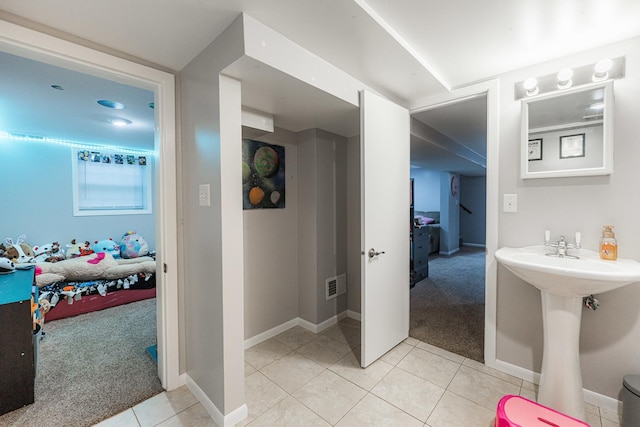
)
(113, 183)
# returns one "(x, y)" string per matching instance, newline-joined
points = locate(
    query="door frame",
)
(491, 90)
(25, 42)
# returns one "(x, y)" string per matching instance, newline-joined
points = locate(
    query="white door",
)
(385, 192)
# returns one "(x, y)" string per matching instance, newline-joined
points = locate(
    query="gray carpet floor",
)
(447, 308)
(92, 367)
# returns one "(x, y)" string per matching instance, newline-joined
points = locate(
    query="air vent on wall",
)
(336, 286)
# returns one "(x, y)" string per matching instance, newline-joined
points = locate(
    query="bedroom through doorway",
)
(92, 360)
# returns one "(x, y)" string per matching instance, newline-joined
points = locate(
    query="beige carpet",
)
(447, 308)
(91, 367)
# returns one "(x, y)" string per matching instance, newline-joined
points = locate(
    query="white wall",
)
(426, 189)
(38, 200)
(609, 338)
(473, 196)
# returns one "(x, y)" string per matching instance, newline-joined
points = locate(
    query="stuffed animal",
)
(96, 266)
(19, 252)
(50, 252)
(133, 245)
(75, 249)
(108, 246)
(6, 266)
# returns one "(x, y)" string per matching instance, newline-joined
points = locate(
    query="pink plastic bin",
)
(516, 411)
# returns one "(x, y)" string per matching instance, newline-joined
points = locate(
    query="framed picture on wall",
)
(572, 146)
(535, 149)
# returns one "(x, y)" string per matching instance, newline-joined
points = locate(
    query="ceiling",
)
(406, 50)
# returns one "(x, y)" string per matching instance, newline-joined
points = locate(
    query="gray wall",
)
(354, 245)
(449, 215)
(271, 251)
(213, 335)
(38, 184)
(322, 221)
(426, 189)
(609, 338)
(289, 253)
(473, 194)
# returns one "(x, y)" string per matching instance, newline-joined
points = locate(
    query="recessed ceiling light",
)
(57, 87)
(120, 122)
(111, 104)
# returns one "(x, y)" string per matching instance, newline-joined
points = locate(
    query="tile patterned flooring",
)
(299, 378)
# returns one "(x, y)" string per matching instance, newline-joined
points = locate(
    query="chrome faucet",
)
(562, 246)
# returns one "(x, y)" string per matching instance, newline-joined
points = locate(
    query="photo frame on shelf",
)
(572, 146)
(535, 149)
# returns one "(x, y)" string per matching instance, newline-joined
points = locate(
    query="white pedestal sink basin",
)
(563, 283)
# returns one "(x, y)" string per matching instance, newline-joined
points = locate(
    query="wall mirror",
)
(568, 133)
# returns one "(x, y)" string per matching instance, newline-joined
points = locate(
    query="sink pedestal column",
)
(561, 378)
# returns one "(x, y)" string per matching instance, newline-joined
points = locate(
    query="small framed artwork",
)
(572, 146)
(535, 149)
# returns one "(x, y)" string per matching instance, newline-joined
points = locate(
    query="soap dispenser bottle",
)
(608, 244)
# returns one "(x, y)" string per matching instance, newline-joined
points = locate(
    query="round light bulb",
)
(530, 86)
(120, 122)
(601, 70)
(564, 78)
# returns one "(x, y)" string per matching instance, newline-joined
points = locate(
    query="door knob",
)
(373, 252)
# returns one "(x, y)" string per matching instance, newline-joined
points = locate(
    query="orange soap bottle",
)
(608, 244)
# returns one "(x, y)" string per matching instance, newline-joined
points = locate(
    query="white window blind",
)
(111, 183)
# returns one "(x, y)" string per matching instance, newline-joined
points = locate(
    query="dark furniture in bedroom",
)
(419, 251)
(17, 366)
(420, 254)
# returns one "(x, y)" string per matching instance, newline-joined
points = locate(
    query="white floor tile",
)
(429, 366)
(289, 413)
(324, 350)
(292, 371)
(260, 394)
(330, 396)
(481, 388)
(455, 411)
(260, 355)
(373, 411)
(349, 368)
(410, 393)
(194, 416)
(397, 353)
(163, 406)
(295, 337)
(123, 419)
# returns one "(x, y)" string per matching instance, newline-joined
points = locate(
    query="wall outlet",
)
(204, 194)
(510, 203)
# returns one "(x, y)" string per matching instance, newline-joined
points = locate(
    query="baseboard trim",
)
(451, 252)
(316, 329)
(475, 245)
(257, 339)
(591, 397)
(354, 315)
(233, 418)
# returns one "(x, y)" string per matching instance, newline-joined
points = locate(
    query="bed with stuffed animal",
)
(88, 277)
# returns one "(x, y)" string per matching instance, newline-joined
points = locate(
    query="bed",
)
(94, 282)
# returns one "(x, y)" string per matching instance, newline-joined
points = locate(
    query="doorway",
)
(452, 142)
(22, 42)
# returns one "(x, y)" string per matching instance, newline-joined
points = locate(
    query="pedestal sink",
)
(563, 283)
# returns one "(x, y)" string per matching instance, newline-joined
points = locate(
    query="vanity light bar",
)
(8, 136)
(605, 69)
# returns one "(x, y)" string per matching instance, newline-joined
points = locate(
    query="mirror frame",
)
(607, 134)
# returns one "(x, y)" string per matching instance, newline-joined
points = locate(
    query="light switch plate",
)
(510, 203)
(204, 194)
